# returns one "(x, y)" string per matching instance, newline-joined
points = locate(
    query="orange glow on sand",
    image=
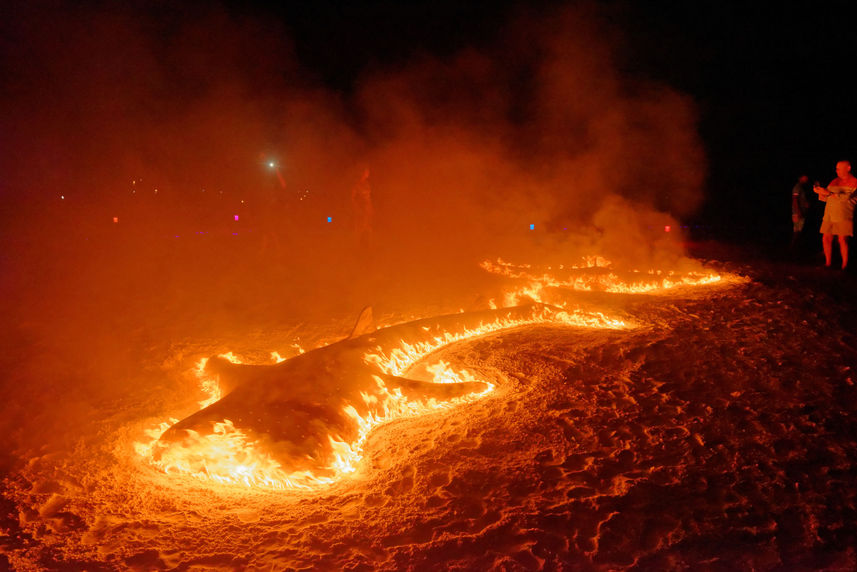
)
(229, 455)
(596, 274)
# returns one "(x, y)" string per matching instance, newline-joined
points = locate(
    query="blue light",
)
(330, 219)
(532, 227)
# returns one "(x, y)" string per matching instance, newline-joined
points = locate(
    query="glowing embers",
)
(303, 423)
(594, 273)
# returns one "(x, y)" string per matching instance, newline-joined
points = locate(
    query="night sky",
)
(770, 83)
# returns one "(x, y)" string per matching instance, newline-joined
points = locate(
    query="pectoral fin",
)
(424, 390)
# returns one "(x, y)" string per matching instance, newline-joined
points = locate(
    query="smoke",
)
(540, 129)
(140, 203)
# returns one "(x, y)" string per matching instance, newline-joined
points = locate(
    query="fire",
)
(397, 360)
(230, 456)
(601, 278)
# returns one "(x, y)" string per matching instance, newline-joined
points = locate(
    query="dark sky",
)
(771, 82)
(774, 87)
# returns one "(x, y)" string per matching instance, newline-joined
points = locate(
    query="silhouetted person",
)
(840, 196)
(800, 206)
(273, 213)
(361, 210)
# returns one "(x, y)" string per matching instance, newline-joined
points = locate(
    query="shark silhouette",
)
(298, 409)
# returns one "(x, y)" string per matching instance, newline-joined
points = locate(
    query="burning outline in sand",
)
(302, 423)
(594, 273)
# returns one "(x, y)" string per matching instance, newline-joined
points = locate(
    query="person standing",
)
(362, 211)
(800, 206)
(840, 196)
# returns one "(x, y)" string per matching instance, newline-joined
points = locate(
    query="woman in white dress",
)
(840, 196)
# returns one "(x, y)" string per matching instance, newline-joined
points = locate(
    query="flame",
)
(397, 360)
(207, 385)
(604, 280)
(400, 359)
(229, 456)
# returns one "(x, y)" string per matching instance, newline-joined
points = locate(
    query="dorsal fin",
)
(365, 323)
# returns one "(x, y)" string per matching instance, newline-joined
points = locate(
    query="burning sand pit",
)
(313, 413)
(303, 423)
(646, 434)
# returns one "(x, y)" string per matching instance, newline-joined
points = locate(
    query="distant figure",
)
(800, 206)
(840, 196)
(361, 209)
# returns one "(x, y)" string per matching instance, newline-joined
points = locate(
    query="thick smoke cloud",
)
(541, 126)
(166, 117)
(540, 129)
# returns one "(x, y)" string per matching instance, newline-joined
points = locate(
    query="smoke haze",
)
(166, 118)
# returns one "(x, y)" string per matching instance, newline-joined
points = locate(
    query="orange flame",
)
(602, 280)
(230, 456)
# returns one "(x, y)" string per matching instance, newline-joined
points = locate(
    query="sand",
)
(719, 434)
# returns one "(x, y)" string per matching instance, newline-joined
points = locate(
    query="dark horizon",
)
(755, 76)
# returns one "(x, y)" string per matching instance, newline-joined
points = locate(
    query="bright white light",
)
(271, 164)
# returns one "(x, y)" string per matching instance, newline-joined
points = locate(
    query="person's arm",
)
(822, 192)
